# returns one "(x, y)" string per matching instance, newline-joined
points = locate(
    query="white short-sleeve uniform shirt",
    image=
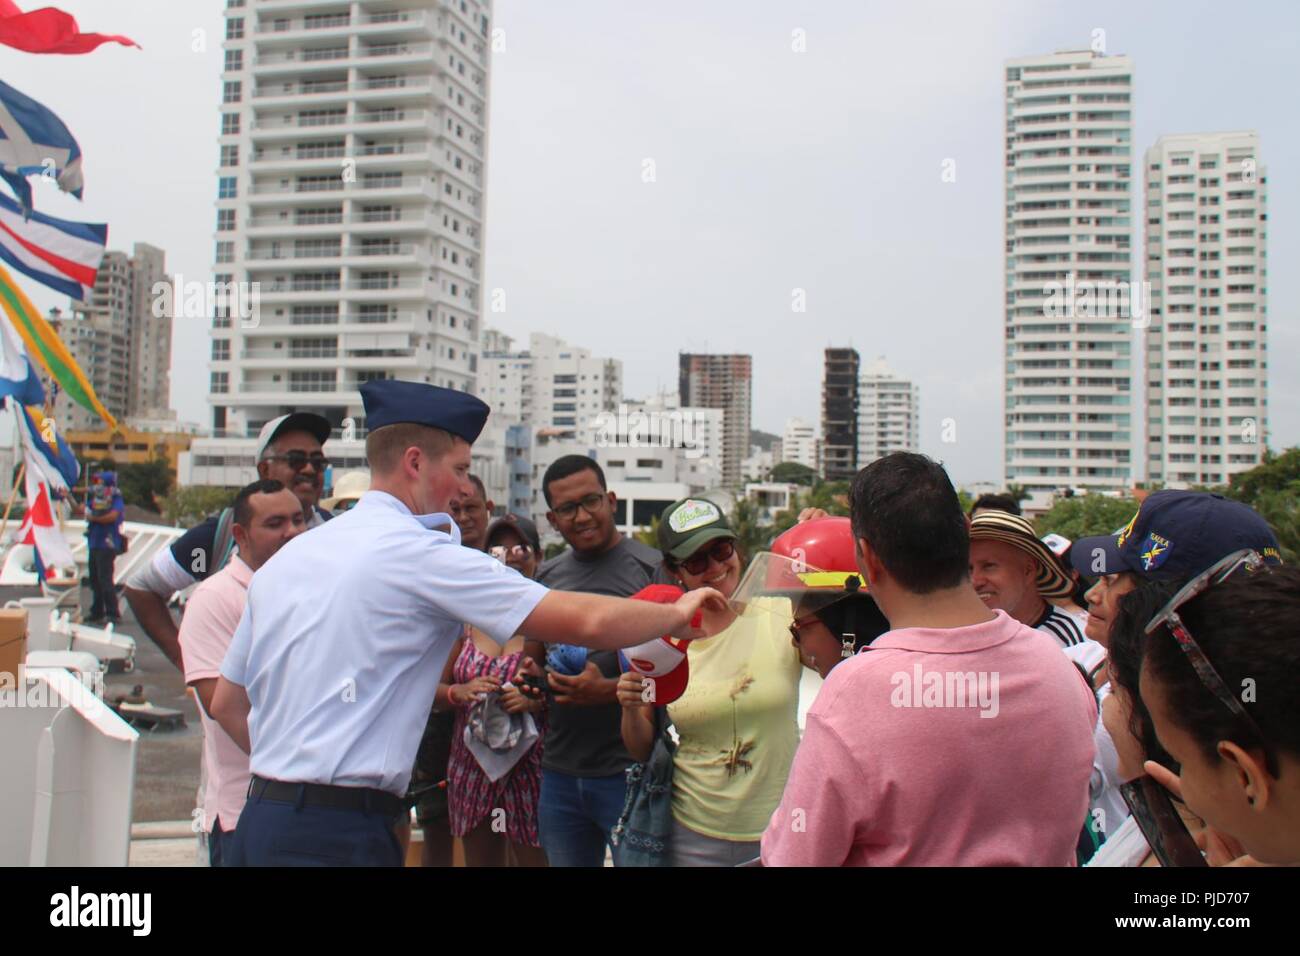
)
(345, 635)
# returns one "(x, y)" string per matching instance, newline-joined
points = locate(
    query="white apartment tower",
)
(1207, 359)
(1069, 222)
(551, 384)
(799, 444)
(351, 192)
(889, 413)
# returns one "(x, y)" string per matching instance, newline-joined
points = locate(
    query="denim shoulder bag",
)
(645, 826)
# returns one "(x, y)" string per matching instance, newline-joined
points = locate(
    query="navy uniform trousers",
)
(276, 833)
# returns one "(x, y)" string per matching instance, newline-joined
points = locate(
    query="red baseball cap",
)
(661, 661)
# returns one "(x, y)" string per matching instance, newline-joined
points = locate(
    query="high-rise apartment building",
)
(121, 337)
(840, 414)
(724, 382)
(799, 444)
(551, 384)
(889, 413)
(544, 399)
(350, 201)
(97, 341)
(1207, 359)
(1069, 314)
(149, 331)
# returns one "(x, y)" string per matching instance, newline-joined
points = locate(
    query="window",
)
(227, 188)
(220, 350)
(225, 220)
(229, 124)
(225, 252)
(231, 91)
(219, 383)
(386, 180)
(314, 314)
(234, 60)
(229, 155)
(235, 28)
(312, 381)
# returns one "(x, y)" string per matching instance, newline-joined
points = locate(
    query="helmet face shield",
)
(776, 584)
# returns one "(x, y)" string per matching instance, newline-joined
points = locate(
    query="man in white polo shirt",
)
(266, 516)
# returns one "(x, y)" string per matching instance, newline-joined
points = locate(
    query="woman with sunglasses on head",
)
(1174, 536)
(737, 719)
(1219, 677)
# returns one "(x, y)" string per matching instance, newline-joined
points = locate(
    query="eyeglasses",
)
(298, 460)
(797, 626)
(721, 552)
(589, 503)
(1169, 618)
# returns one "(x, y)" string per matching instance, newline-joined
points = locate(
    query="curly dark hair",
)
(1124, 653)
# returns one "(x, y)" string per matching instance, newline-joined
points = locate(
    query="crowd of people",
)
(990, 696)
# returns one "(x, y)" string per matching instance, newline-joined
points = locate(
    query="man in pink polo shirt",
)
(960, 737)
(266, 516)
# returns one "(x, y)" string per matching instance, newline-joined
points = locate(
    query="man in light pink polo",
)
(960, 737)
(266, 516)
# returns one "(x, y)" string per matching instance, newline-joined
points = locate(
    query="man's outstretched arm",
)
(610, 623)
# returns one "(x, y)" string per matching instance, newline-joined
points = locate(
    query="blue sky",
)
(775, 170)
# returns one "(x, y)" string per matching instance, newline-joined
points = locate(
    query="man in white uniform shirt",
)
(334, 666)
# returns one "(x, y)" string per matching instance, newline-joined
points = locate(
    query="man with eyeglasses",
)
(583, 758)
(289, 450)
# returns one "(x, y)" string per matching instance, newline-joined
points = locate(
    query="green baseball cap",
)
(686, 525)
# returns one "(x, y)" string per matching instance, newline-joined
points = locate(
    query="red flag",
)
(40, 530)
(49, 31)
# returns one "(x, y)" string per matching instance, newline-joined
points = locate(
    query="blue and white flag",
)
(33, 141)
(46, 452)
(17, 375)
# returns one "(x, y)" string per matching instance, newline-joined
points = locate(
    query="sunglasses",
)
(589, 503)
(1169, 619)
(721, 552)
(518, 551)
(298, 460)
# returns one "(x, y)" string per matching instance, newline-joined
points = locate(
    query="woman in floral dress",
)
(478, 807)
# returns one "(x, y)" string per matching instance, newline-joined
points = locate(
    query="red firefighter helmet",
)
(825, 547)
(812, 565)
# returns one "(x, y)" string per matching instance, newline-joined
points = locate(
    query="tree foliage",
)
(831, 496)
(1085, 515)
(144, 485)
(186, 507)
(794, 473)
(1273, 489)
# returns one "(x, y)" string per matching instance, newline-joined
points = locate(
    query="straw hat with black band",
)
(1051, 581)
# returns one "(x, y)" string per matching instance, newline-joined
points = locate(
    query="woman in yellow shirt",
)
(737, 720)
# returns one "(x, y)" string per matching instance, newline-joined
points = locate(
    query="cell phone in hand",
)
(1160, 823)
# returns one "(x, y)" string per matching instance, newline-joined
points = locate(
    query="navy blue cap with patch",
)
(1177, 535)
(390, 402)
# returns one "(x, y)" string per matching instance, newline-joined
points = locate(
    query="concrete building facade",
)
(1206, 346)
(1068, 272)
(349, 213)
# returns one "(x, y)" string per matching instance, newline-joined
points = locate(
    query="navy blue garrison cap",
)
(390, 401)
